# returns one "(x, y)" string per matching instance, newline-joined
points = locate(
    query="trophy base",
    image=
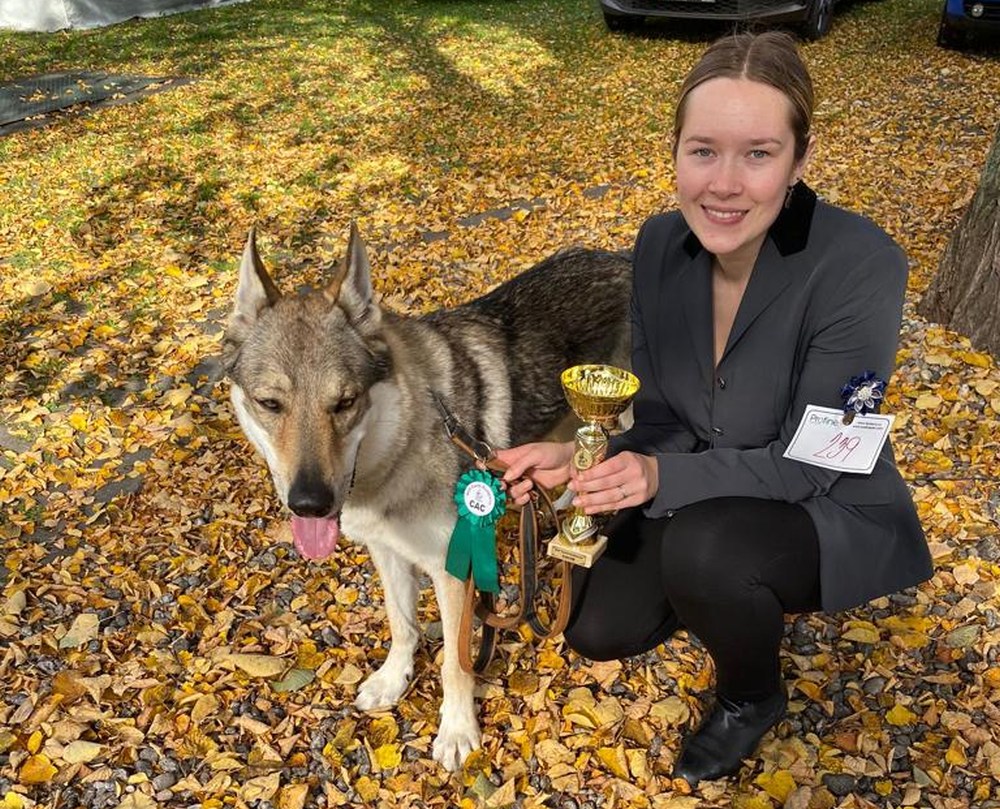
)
(583, 554)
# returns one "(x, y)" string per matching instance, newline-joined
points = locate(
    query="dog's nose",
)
(309, 497)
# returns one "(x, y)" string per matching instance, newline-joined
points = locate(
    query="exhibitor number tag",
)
(823, 439)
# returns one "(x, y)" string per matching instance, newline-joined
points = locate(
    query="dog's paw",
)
(459, 735)
(384, 688)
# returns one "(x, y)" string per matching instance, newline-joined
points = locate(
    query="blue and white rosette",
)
(862, 395)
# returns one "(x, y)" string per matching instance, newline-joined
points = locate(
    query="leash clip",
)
(481, 451)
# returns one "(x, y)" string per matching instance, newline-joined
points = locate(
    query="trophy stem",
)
(577, 541)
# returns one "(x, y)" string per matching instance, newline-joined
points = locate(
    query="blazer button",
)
(718, 431)
(671, 513)
(722, 383)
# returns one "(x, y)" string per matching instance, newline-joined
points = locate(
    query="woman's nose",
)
(725, 180)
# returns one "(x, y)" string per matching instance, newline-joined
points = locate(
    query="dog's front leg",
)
(399, 583)
(459, 733)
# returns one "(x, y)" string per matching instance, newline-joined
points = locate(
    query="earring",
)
(788, 194)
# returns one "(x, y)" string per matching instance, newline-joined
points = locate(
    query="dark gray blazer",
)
(823, 304)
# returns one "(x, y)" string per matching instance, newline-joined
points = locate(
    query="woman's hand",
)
(625, 480)
(545, 461)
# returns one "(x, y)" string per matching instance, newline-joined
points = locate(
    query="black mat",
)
(32, 101)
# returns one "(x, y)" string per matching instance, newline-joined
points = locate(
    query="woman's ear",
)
(800, 167)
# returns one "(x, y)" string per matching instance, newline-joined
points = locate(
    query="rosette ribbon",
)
(481, 501)
(863, 394)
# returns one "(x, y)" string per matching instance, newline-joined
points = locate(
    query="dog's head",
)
(303, 369)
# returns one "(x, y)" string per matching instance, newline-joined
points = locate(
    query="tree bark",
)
(965, 292)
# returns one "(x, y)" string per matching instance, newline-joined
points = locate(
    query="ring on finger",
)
(621, 491)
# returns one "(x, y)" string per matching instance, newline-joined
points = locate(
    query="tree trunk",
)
(965, 293)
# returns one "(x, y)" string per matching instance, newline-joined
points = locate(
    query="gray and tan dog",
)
(337, 393)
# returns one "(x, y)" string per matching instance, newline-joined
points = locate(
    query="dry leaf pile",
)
(161, 643)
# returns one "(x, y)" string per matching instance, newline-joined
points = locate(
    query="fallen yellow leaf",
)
(928, 401)
(12, 801)
(83, 630)
(900, 715)
(257, 665)
(614, 759)
(37, 770)
(81, 752)
(263, 788)
(956, 754)
(387, 757)
(293, 796)
(861, 632)
(35, 742)
(778, 784)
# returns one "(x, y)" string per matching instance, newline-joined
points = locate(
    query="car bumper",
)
(959, 17)
(973, 25)
(781, 11)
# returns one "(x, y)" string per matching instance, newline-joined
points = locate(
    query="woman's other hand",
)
(547, 462)
(625, 480)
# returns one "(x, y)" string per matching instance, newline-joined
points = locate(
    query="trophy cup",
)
(598, 394)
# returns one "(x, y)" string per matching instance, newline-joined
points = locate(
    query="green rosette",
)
(481, 502)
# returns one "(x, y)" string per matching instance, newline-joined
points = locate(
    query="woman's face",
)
(735, 160)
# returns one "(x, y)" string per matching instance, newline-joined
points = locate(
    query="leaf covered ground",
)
(161, 642)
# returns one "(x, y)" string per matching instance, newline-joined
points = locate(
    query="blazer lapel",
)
(771, 274)
(693, 294)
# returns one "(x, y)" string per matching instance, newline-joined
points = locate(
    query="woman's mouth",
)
(723, 217)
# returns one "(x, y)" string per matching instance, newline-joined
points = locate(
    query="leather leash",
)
(480, 604)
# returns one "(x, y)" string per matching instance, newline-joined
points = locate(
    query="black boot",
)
(729, 735)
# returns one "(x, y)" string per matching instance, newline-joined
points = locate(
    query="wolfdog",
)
(338, 395)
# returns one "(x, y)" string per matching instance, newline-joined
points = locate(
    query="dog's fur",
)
(336, 394)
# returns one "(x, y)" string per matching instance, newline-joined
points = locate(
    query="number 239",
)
(839, 446)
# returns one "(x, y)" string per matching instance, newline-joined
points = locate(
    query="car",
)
(962, 18)
(813, 17)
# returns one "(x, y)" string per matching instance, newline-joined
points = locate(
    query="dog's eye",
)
(270, 404)
(344, 404)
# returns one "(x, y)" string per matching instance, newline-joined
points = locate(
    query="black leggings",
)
(729, 569)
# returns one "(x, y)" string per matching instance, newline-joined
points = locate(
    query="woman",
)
(751, 302)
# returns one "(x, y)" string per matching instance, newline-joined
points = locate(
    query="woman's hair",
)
(769, 58)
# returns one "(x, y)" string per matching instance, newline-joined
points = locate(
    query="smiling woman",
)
(754, 307)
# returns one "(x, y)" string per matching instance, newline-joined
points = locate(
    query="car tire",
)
(818, 19)
(621, 23)
(949, 37)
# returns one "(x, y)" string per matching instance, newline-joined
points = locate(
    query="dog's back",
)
(569, 309)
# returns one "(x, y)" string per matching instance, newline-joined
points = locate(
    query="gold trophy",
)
(598, 395)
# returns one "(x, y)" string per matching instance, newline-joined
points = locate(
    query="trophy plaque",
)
(598, 394)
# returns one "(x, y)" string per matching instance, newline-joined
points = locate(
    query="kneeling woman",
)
(751, 302)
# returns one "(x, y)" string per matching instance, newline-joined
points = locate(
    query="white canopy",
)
(53, 15)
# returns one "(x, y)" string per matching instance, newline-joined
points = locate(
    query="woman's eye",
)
(272, 405)
(759, 154)
(702, 152)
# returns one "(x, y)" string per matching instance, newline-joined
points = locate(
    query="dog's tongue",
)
(315, 537)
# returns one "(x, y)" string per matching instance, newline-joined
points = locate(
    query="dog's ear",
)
(351, 285)
(256, 290)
